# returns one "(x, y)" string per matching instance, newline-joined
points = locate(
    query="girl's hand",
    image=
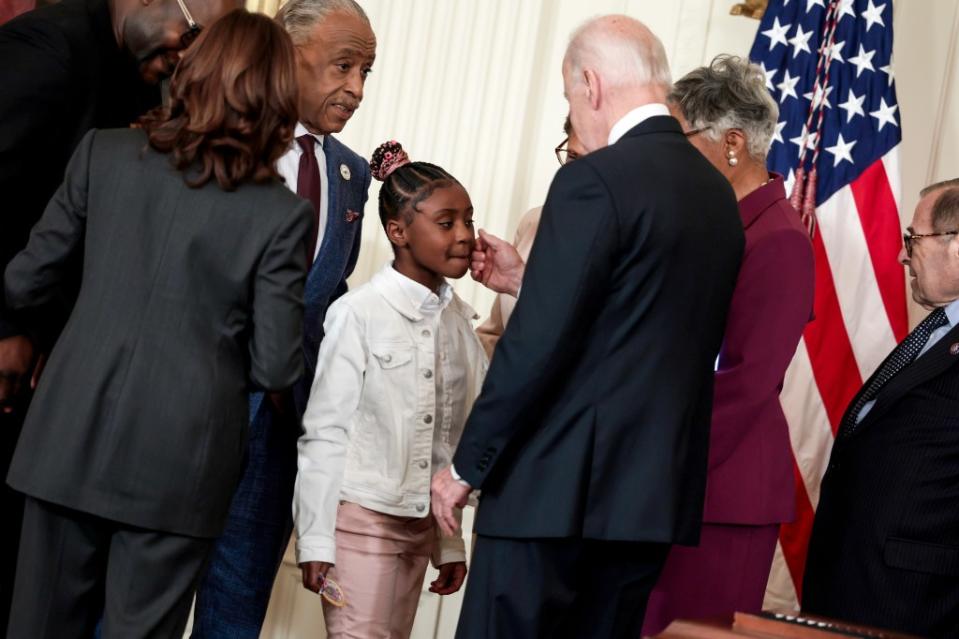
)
(314, 572)
(450, 579)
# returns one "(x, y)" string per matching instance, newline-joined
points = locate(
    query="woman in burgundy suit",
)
(729, 116)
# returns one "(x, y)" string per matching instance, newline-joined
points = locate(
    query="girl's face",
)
(439, 239)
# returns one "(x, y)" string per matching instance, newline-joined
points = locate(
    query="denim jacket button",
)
(428, 419)
(427, 373)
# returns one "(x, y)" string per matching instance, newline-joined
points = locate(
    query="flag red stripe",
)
(830, 351)
(794, 536)
(879, 216)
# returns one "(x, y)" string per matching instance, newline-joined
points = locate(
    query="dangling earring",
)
(731, 158)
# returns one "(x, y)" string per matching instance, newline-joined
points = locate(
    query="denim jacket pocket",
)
(391, 354)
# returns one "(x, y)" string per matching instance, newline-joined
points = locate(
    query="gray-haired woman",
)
(729, 116)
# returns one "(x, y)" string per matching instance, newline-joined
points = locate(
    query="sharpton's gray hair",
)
(299, 17)
(729, 93)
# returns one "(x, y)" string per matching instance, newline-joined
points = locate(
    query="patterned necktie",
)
(308, 186)
(901, 356)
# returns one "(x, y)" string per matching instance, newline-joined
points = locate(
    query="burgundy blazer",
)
(750, 479)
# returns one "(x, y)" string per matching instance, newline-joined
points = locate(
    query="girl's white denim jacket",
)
(369, 424)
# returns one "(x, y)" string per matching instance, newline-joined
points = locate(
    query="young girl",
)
(397, 374)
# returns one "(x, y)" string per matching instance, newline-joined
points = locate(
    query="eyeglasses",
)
(693, 132)
(194, 30)
(909, 238)
(563, 154)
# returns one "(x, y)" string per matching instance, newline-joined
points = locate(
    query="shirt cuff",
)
(315, 550)
(448, 553)
(448, 549)
(456, 477)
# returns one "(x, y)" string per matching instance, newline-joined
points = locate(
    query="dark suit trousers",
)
(531, 588)
(11, 505)
(235, 591)
(73, 566)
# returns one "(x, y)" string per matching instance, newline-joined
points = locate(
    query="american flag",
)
(828, 64)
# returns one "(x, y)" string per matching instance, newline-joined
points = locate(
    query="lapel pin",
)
(954, 349)
(345, 172)
(352, 215)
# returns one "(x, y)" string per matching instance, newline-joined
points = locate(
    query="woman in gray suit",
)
(193, 265)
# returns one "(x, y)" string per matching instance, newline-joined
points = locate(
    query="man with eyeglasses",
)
(884, 549)
(64, 69)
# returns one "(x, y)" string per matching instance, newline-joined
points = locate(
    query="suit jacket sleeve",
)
(34, 276)
(32, 108)
(770, 308)
(276, 361)
(565, 282)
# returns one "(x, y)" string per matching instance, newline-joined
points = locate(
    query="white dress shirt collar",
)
(390, 284)
(952, 313)
(302, 130)
(421, 297)
(634, 117)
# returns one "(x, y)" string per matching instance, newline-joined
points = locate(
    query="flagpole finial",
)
(750, 8)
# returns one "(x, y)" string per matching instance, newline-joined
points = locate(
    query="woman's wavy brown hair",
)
(232, 109)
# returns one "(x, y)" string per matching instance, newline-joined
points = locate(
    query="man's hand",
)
(16, 367)
(450, 579)
(446, 494)
(314, 572)
(497, 265)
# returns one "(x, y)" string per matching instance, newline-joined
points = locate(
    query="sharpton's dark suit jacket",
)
(594, 418)
(884, 549)
(189, 297)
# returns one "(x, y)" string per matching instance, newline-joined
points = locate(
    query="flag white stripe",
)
(809, 431)
(864, 314)
(890, 162)
(780, 592)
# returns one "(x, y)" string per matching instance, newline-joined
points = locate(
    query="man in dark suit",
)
(884, 549)
(589, 440)
(335, 48)
(65, 69)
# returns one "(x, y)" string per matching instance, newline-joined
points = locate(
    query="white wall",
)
(475, 86)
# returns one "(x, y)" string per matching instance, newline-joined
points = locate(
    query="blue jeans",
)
(235, 592)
